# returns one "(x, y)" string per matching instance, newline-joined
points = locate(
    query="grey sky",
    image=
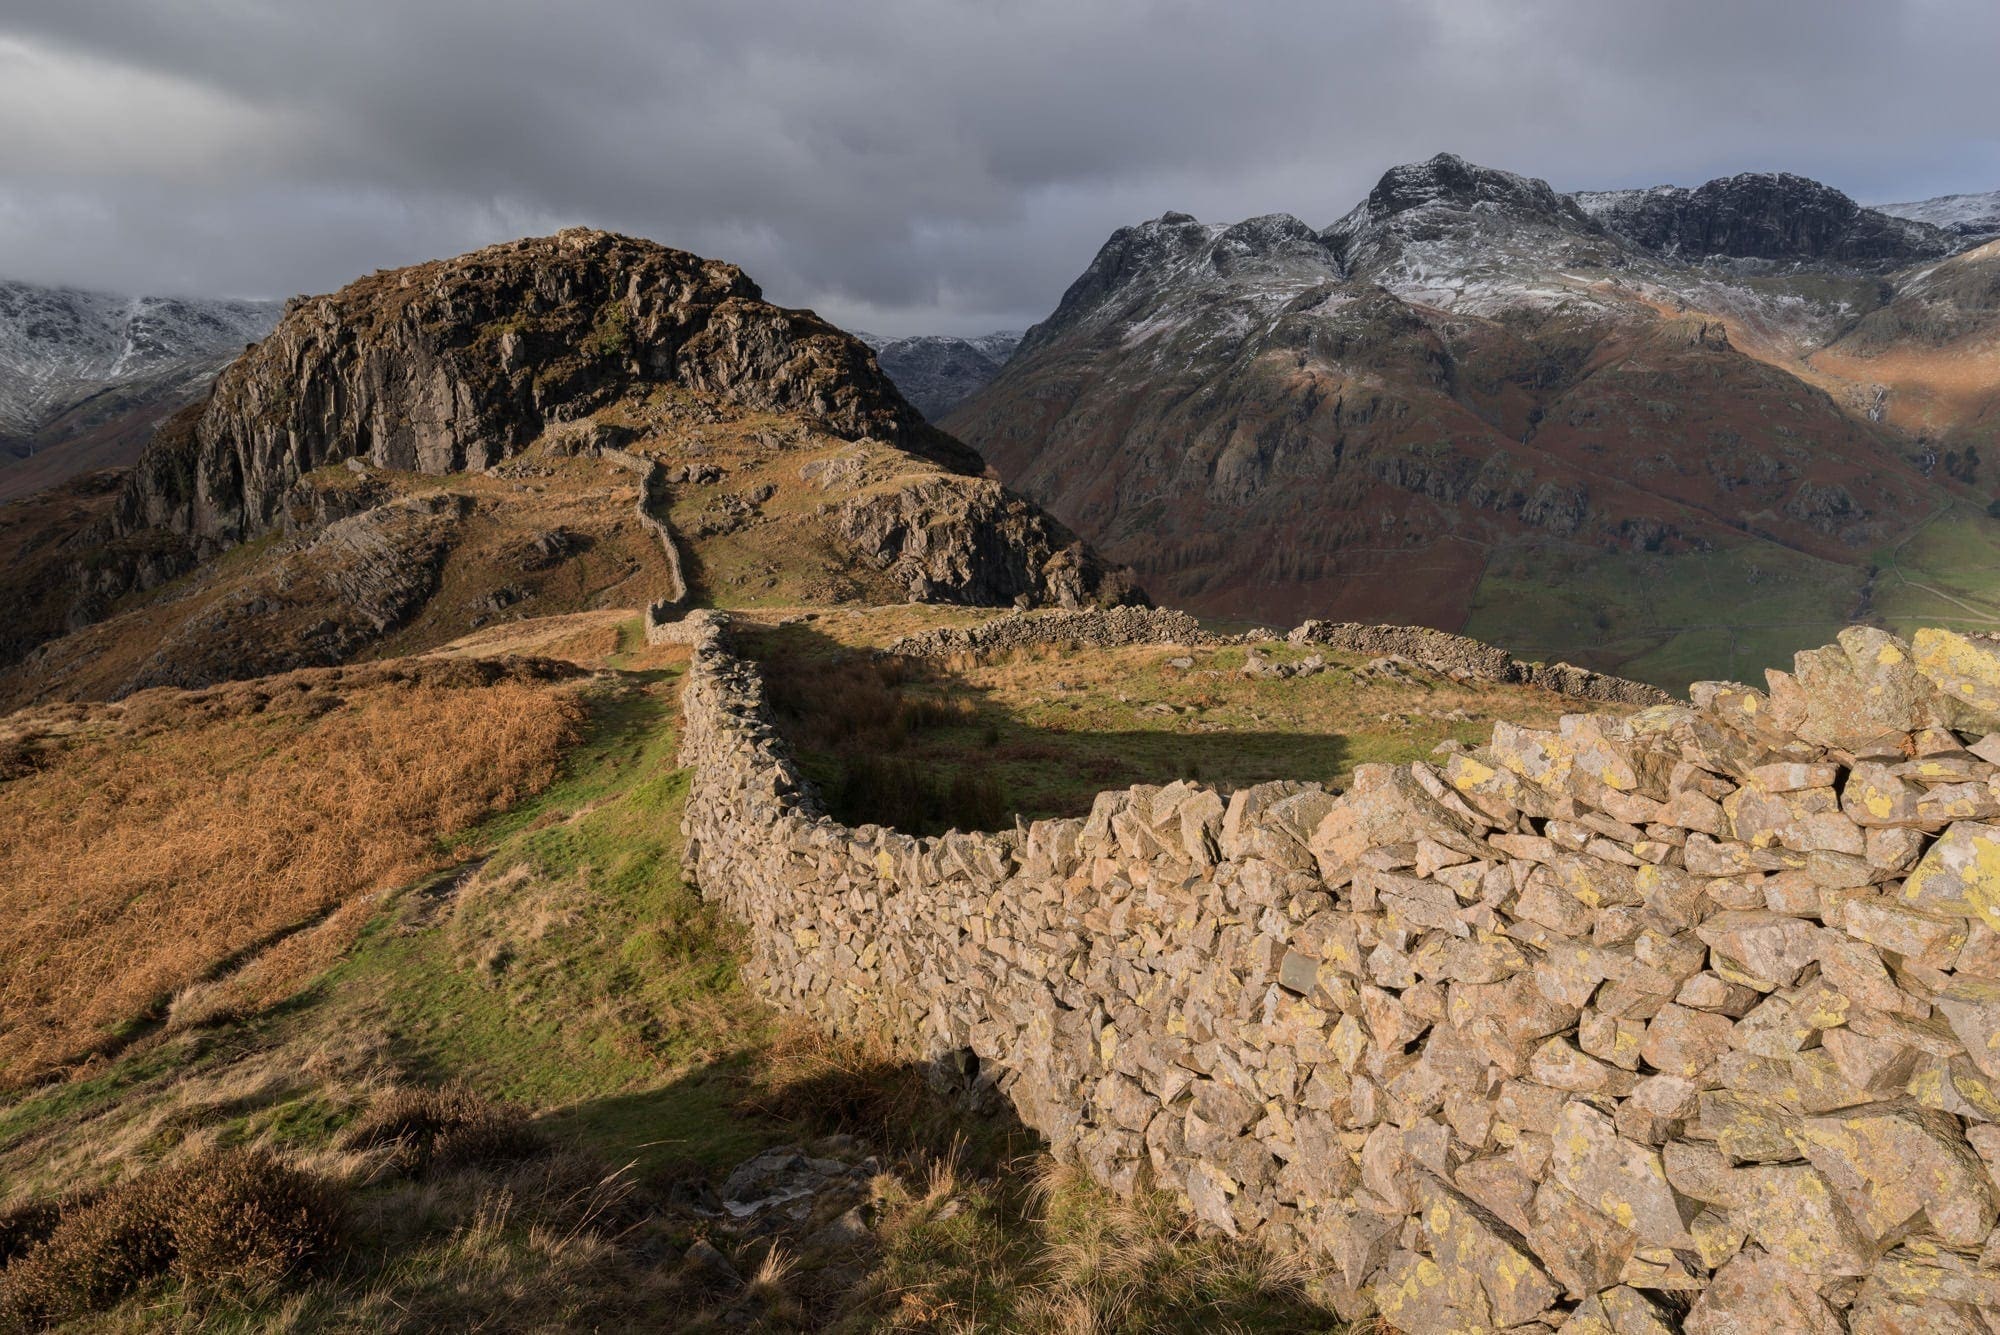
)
(907, 165)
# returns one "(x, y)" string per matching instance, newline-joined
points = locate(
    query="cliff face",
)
(1766, 216)
(458, 364)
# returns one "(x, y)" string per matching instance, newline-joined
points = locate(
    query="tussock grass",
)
(1042, 1250)
(159, 841)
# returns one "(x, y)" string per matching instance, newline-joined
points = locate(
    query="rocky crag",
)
(461, 363)
(583, 344)
(1684, 1019)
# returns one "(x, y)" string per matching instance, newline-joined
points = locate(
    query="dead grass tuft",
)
(168, 838)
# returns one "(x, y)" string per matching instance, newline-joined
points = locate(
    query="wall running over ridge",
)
(1687, 1019)
(652, 509)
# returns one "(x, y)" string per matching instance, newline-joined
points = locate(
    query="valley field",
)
(1730, 613)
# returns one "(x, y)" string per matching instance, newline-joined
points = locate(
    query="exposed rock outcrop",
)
(1764, 216)
(1679, 1020)
(457, 364)
(1445, 197)
(970, 540)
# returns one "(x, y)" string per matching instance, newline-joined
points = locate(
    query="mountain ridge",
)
(1471, 371)
(937, 372)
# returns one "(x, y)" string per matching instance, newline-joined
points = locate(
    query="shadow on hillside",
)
(913, 745)
(694, 1130)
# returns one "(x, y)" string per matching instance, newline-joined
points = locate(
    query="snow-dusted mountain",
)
(1976, 216)
(85, 376)
(1478, 402)
(937, 372)
(1774, 216)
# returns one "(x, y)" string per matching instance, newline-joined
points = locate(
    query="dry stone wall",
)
(1457, 656)
(664, 611)
(1688, 1019)
(1435, 650)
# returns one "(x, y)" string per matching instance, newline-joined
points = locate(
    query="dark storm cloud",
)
(906, 164)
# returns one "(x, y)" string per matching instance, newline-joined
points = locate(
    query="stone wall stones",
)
(1457, 656)
(1115, 627)
(1095, 627)
(1683, 1020)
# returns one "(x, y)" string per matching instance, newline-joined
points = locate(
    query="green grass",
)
(1731, 613)
(1947, 574)
(578, 974)
(1725, 614)
(1050, 731)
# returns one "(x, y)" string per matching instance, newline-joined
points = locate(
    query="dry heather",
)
(149, 845)
(229, 1219)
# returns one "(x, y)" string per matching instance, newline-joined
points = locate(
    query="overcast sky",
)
(907, 165)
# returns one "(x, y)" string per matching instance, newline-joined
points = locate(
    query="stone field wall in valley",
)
(1685, 1018)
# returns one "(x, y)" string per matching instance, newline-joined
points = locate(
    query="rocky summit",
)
(460, 364)
(1765, 216)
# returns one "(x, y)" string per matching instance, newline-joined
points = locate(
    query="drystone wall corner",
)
(1686, 1019)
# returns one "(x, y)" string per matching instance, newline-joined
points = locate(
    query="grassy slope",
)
(1946, 574)
(1666, 619)
(1730, 613)
(1037, 734)
(570, 969)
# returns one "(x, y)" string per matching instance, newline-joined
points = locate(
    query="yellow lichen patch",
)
(1959, 667)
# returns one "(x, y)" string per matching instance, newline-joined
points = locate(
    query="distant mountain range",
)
(937, 372)
(1672, 432)
(1675, 432)
(1976, 216)
(86, 376)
